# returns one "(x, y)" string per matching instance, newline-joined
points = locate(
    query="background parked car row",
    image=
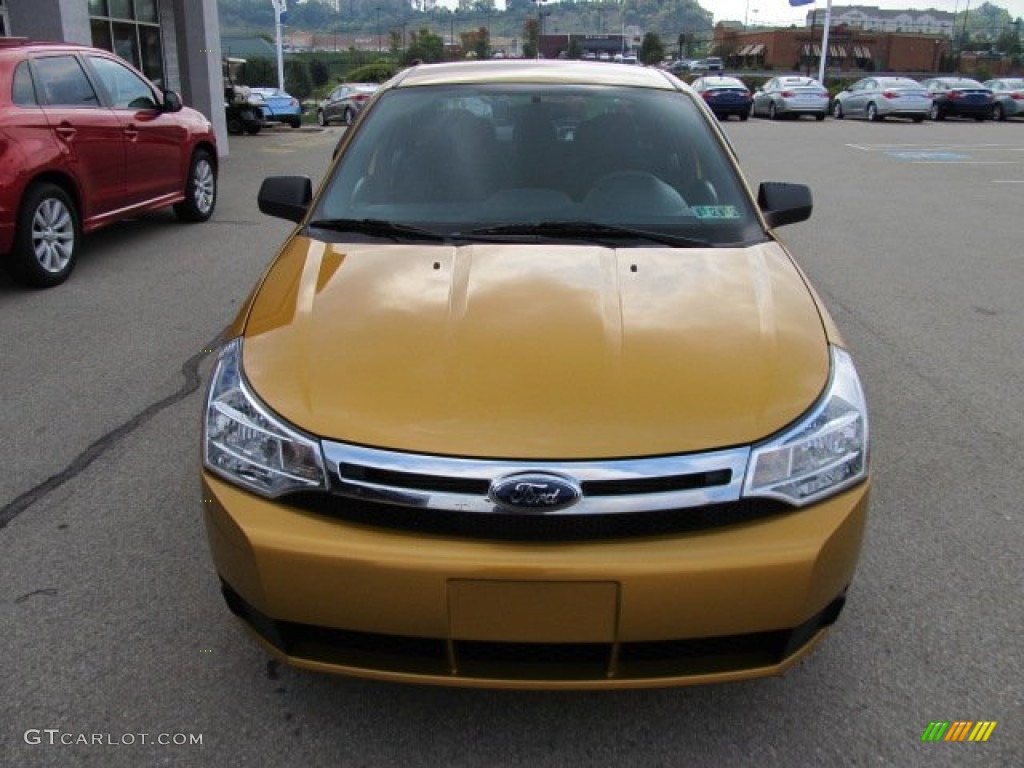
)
(873, 98)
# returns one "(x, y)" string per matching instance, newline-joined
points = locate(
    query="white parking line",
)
(938, 147)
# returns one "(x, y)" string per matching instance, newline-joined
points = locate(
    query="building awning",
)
(745, 50)
(757, 49)
(862, 52)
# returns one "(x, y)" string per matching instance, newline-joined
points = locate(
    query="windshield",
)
(455, 159)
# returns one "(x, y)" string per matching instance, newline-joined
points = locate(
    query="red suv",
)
(86, 140)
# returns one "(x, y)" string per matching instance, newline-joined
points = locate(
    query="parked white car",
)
(876, 98)
(791, 95)
(1009, 96)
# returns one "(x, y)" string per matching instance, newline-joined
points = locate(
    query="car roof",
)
(21, 45)
(538, 71)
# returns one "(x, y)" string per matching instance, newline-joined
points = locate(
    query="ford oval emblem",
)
(535, 492)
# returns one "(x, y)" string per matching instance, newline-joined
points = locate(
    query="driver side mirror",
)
(172, 102)
(286, 197)
(784, 203)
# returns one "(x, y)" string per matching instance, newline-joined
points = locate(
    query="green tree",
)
(477, 42)
(652, 50)
(297, 80)
(424, 46)
(531, 38)
(575, 48)
(259, 71)
(318, 72)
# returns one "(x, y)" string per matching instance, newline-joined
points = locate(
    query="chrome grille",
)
(609, 486)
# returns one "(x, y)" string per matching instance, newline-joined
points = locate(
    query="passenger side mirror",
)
(784, 203)
(286, 197)
(172, 102)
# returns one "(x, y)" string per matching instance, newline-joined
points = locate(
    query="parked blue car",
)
(279, 107)
(725, 95)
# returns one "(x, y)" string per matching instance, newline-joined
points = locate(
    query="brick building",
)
(850, 50)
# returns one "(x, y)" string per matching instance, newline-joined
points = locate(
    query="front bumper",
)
(745, 600)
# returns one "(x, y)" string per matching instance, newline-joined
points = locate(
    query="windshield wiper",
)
(585, 229)
(378, 228)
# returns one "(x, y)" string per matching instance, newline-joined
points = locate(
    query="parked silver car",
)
(877, 98)
(791, 95)
(1009, 96)
(344, 102)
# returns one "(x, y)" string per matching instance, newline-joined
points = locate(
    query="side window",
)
(127, 90)
(23, 92)
(64, 82)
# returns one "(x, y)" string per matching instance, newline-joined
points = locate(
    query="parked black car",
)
(959, 97)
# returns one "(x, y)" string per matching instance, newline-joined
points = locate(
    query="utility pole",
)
(280, 8)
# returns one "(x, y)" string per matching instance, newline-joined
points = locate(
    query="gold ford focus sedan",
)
(533, 397)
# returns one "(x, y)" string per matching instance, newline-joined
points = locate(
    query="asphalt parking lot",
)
(113, 625)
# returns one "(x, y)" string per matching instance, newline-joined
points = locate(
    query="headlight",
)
(824, 453)
(246, 444)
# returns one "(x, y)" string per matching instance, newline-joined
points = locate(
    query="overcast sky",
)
(781, 13)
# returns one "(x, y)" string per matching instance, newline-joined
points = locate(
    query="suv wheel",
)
(200, 189)
(46, 238)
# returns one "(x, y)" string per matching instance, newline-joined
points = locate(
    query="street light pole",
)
(280, 6)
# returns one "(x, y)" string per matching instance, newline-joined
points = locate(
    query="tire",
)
(837, 110)
(321, 118)
(253, 129)
(46, 237)
(348, 116)
(744, 116)
(873, 116)
(235, 127)
(981, 118)
(819, 116)
(294, 122)
(918, 118)
(200, 189)
(936, 113)
(998, 113)
(772, 114)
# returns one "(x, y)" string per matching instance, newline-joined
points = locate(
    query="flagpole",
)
(824, 42)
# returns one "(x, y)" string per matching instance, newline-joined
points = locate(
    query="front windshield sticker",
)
(716, 212)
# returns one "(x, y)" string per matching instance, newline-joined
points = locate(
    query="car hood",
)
(535, 351)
